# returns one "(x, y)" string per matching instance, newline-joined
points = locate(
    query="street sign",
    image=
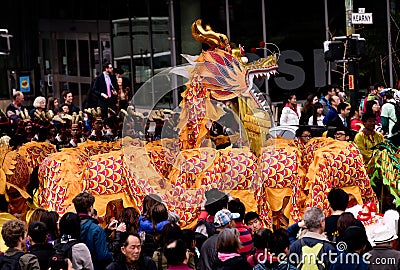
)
(351, 82)
(361, 18)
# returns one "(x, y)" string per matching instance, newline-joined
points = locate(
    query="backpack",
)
(310, 257)
(10, 262)
(396, 127)
(63, 251)
(203, 230)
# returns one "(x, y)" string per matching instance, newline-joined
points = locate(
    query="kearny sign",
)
(361, 17)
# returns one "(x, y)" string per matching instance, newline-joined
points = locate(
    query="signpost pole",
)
(389, 44)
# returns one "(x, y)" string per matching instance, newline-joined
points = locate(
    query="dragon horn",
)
(208, 36)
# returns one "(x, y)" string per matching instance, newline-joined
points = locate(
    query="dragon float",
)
(222, 73)
(274, 177)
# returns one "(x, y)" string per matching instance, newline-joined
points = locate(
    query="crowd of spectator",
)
(225, 237)
(368, 124)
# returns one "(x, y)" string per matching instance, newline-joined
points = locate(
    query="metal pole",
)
(389, 43)
(228, 28)
(133, 72)
(151, 50)
(264, 24)
(173, 52)
(349, 12)
(327, 38)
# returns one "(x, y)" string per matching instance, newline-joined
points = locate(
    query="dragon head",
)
(259, 68)
(226, 72)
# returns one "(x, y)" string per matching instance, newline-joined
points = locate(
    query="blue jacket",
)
(147, 226)
(96, 240)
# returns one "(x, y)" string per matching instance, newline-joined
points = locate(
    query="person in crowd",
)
(228, 244)
(308, 109)
(373, 107)
(77, 135)
(208, 253)
(39, 105)
(342, 96)
(177, 255)
(388, 113)
(317, 117)
(170, 232)
(290, 112)
(327, 92)
(39, 246)
(35, 216)
(338, 200)
(13, 233)
(50, 218)
(342, 134)
(277, 259)
(98, 133)
(379, 89)
(205, 228)
(52, 105)
(68, 99)
(92, 234)
(236, 206)
(124, 95)
(70, 230)
(131, 256)
(333, 112)
(346, 219)
(303, 135)
(372, 95)
(368, 137)
(105, 89)
(351, 257)
(384, 239)
(158, 219)
(253, 221)
(130, 216)
(314, 221)
(189, 237)
(355, 118)
(341, 120)
(260, 239)
(14, 109)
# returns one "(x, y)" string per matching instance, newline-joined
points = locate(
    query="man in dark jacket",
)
(13, 233)
(131, 256)
(92, 234)
(37, 236)
(314, 220)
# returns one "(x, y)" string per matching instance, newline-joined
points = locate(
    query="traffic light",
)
(5, 47)
(333, 50)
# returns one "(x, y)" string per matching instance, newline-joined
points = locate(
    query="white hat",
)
(383, 234)
(223, 217)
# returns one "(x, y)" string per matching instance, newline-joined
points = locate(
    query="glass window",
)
(84, 68)
(62, 56)
(46, 56)
(72, 61)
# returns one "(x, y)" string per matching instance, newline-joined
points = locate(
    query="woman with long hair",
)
(123, 95)
(317, 116)
(346, 219)
(70, 230)
(308, 109)
(290, 111)
(52, 105)
(373, 107)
